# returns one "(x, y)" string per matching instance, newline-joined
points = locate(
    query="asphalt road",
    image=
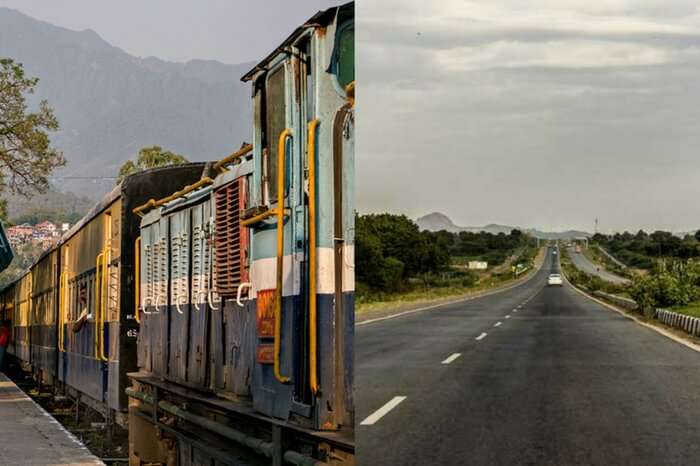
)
(583, 263)
(560, 381)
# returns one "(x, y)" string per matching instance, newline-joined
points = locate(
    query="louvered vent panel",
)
(228, 239)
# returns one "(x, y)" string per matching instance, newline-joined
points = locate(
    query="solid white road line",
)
(497, 324)
(482, 336)
(451, 358)
(381, 412)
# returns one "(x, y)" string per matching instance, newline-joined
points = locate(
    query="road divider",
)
(451, 358)
(381, 412)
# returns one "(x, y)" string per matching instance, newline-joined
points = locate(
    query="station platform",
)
(29, 436)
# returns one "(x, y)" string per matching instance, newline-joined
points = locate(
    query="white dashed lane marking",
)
(381, 412)
(497, 324)
(451, 358)
(508, 316)
(482, 336)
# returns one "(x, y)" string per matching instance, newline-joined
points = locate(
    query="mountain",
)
(110, 104)
(437, 221)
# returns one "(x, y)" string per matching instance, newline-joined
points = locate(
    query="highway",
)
(581, 262)
(533, 375)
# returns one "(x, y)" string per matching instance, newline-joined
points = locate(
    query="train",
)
(209, 307)
(72, 313)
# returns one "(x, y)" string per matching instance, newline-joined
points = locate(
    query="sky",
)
(230, 31)
(546, 113)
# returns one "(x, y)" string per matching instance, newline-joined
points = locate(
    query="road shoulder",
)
(676, 335)
(371, 316)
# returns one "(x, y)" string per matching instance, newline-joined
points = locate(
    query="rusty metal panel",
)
(230, 238)
(239, 346)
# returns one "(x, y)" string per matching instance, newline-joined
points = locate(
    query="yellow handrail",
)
(28, 328)
(281, 155)
(350, 93)
(236, 155)
(258, 218)
(186, 190)
(313, 374)
(98, 295)
(61, 305)
(137, 278)
(103, 301)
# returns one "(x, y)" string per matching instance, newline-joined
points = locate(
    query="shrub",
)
(665, 286)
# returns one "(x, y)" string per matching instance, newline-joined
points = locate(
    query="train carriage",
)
(42, 316)
(72, 313)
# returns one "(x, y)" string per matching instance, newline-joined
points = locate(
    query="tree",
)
(150, 157)
(26, 155)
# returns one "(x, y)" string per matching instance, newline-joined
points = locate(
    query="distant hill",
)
(437, 221)
(54, 206)
(110, 104)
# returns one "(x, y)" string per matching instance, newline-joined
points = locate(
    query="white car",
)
(555, 279)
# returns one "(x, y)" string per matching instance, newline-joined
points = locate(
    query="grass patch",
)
(692, 309)
(372, 300)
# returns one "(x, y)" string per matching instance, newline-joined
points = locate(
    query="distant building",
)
(44, 234)
(478, 265)
(46, 229)
(20, 234)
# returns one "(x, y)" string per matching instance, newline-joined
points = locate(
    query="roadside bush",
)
(390, 275)
(666, 286)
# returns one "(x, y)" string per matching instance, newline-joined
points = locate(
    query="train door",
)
(344, 254)
(275, 241)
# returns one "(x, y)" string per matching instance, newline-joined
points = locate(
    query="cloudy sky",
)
(231, 31)
(544, 113)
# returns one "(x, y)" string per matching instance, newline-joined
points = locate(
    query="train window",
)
(345, 55)
(276, 122)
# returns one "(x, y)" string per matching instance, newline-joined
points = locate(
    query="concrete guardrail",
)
(684, 322)
(626, 303)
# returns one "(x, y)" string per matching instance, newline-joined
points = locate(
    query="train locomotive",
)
(245, 297)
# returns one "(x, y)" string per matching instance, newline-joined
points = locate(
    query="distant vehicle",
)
(578, 248)
(554, 279)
